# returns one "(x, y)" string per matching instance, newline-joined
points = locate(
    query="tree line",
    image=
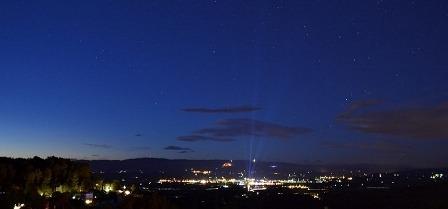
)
(37, 176)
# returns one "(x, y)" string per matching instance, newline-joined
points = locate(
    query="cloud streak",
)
(379, 146)
(230, 129)
(196, 138)
(103, 146)
(234, 109)
(428, 122)
(177, 148)
(249, 127)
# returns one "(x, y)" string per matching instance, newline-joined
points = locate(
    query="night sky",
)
(322, 81)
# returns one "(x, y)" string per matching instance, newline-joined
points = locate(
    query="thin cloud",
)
(195, 138)
(429, 122)
(378, 146)
(231, 129)
(250, 127)
(185, 151)
(357, 105)
(177, 148)
(103, 146)
(234, 109)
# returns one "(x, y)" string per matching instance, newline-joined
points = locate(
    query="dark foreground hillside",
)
(430, 197)
(56, 183)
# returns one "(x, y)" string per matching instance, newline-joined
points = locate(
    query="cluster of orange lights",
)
(227, 165)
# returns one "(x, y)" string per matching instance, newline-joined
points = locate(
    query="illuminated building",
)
(227, 165)
(19, 206)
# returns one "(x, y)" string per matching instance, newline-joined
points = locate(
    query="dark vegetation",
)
(43, 176)
(35, 180)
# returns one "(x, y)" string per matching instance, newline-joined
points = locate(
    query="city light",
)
(227, 165)
(437, 176)
(196, 172)
(88, 201)
(108, 188)
(19, 206)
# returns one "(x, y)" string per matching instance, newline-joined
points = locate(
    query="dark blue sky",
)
(296, 81)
